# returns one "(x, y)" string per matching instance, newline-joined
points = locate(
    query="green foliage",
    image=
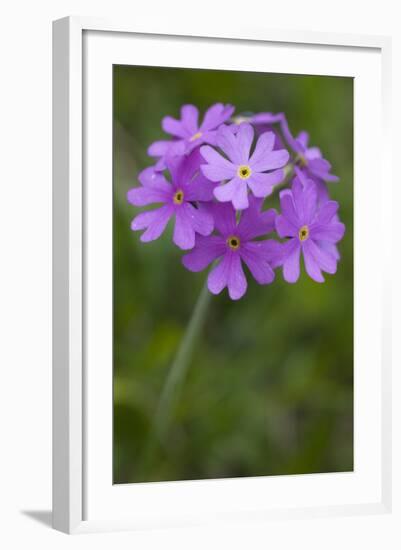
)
(270, 387)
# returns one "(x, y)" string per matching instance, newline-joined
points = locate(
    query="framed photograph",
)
(221, 302)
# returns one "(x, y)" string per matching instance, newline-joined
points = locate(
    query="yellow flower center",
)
(240, 119)
(178, 197)
(233, 242)
(302, 160)
(195, 136)
(244, 171)
(303, 233)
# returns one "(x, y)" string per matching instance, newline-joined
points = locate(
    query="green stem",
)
(176, 377)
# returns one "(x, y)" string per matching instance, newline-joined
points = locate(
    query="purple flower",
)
(233, 245)
(312, 161)
(187, 133)
(243, 169)
(187, 185)
(311, 228)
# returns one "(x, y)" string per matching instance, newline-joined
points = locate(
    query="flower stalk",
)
(176, 376)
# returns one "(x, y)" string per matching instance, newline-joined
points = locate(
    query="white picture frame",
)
(84, 498)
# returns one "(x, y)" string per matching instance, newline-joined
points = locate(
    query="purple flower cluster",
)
(213, 178)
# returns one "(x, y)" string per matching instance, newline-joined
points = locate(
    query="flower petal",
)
(174, 127)
(158, 148)
(264, 146)
(327, 211)
(303, 139)
(291, 141)
(288, 207)
(200, 189)
(272, 161)
(189, 119)
(201, 219)
(253, 222)
(313, 153)
(254, 256)
(332, 232)
(331, 248)
(224, 218)
(305, 200)
(285, 228)
(184, 168)
(266, 118)
(291, 254)
(154, 180)
(235, 191)
(184, 233)
(228, 272)
(273, 251)
(244, 142)
(227, 142)
(216, 115)
(206, 250)
(324, 259)
(218, 168)
(262, 184)
(320, 168)
(154, 221)
(311, 265)
(142, 196)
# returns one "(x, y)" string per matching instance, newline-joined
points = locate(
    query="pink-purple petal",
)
(235, 191)
(272, 161)
(216, 115)
(253, 254)
(174, 127)
(288, 207)
(200, 189)
(206, 250)
(159, 148)
(154, 221)
(218, 276)
(184, 233)
(291, 257)
(327, 212)
(218, 168)
(305, 200)
(201, 219)
(262, 185)
(311, 265)
(272, 251)
(253, 222)
(228, 272)
(324, 259)
(285, 228)
(189, 119)
(303, 139)
(227, 142)
(143, 196)
(332, 232)
(184, 168)
(264, 146)
(244, 142)
(224, 218)
(155, 180)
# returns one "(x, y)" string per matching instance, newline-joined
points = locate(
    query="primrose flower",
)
(311, 228)
(233, 245)
(187, 133)
(187, 186)
(243, 169)
(312, 161)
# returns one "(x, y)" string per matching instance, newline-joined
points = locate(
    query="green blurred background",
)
(269, 389)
